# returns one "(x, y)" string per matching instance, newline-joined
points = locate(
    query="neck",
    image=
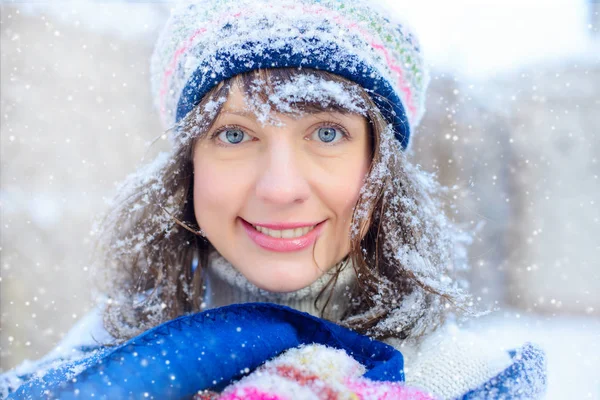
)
(226, 285)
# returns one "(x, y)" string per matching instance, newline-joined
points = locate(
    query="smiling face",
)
(276, 199)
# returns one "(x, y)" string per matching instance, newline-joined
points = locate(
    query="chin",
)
(282, 287)
(282, 280)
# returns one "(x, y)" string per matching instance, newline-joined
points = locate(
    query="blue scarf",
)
(208, 350)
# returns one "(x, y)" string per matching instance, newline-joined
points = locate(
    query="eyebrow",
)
(242, 113)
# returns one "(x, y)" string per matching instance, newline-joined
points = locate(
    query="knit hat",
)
(208, 41)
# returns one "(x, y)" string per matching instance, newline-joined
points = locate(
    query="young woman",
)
(288, 183)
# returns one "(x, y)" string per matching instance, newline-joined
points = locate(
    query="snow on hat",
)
(208, 41)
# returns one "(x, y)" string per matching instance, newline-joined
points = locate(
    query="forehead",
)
(236, 101)
(238, 104)
(295, 96)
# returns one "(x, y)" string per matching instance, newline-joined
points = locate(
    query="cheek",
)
(355, 183)
(343, 190)
(220, 188)
(211, 196)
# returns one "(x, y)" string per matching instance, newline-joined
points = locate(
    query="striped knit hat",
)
(208, 41)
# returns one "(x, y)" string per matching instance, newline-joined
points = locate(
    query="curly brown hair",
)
(404, 250)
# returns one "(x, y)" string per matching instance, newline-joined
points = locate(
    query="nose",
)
(282, 180)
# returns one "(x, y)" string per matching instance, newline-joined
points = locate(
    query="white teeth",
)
(286, 233)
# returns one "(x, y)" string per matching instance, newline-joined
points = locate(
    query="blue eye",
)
(329, 134)
(232, 135)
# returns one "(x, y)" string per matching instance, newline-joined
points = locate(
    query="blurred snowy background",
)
(513, 119)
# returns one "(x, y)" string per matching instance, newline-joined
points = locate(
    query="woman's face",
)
(270, 197)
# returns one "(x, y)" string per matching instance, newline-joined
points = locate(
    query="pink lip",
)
(291, 225)
(280, 244)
